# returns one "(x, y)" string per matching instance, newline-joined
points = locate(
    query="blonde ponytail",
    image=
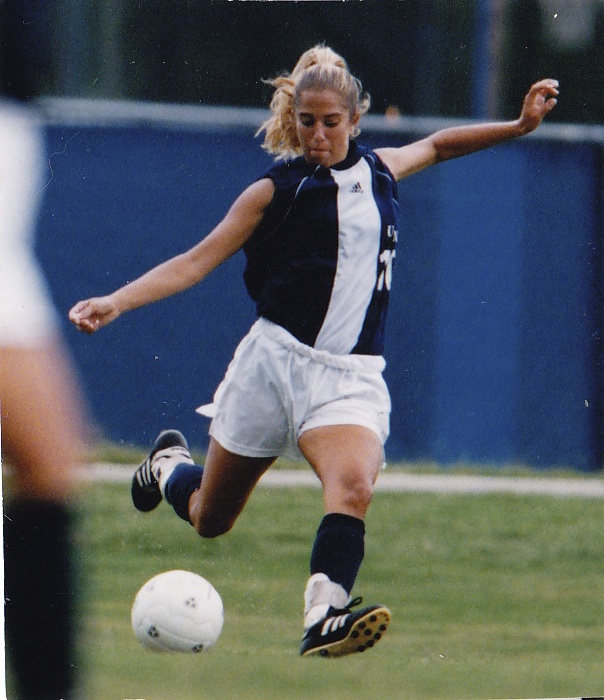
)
(318, 68)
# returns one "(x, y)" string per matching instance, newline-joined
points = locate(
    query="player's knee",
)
(353, 495)
(359, 493)
(209, 528)
(208, 522)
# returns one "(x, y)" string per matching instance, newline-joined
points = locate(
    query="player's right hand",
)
(92, 314)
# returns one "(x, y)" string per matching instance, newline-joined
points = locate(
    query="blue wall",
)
(494, 351)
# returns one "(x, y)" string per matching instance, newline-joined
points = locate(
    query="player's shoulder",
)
(374, 158)
(288, 173)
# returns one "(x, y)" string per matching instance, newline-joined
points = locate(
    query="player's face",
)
(324, 127)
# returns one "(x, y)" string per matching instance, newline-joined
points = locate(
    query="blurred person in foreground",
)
(41, 409)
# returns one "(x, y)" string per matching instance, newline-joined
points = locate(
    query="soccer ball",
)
(177, 611)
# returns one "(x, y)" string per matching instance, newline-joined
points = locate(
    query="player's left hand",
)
(92, 314)
(539, 100)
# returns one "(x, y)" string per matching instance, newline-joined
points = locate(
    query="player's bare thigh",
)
(347, 459)
(42, 419)
(228, 481)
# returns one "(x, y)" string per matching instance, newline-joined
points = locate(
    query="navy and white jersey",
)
(320, 262)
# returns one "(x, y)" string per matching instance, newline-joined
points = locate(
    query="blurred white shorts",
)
(276, 388)
(27, 316)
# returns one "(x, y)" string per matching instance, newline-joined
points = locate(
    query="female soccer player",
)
(319, 231)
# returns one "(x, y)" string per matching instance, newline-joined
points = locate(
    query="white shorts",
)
(276, 388)
(27, 316)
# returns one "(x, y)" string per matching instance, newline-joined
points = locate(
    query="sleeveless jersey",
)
(319, 264)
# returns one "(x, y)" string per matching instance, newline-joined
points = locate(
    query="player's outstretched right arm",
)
(184, 270)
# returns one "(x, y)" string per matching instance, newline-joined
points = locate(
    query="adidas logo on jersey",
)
(358, 188)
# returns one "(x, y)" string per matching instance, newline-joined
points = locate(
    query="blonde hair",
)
(319, 68)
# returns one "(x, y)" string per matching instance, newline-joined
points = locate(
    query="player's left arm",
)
(462, 140)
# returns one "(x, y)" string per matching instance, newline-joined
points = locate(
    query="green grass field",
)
(492, 597)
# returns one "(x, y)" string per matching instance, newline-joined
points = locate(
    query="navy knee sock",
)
(39, 598)
(339, 549)
(184, 480)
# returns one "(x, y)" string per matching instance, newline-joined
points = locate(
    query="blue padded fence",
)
(495, 329)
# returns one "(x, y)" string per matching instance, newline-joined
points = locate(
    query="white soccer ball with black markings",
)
(177, 611)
